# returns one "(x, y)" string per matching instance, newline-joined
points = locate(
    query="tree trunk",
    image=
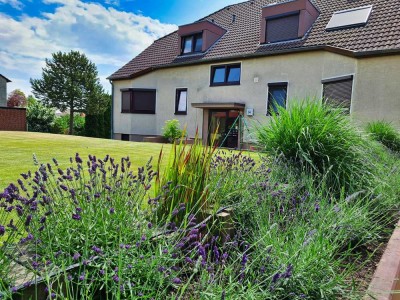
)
(71, 121)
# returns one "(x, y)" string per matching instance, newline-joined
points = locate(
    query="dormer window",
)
(198, 37)
(287, 21)
(192, 43)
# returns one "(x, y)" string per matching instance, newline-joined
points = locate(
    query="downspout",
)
(112, 110)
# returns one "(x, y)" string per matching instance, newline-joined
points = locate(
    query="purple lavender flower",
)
(288, 272)
(53, 295)
(2, 230)
(174, 212)
(76, 217)
(28, 220)
(78, 159)
(43, 219)
(276, 277)
(82, 277)
(149, 225)
(188, 260)
(102, 272)
(317, 207)
(143, 237)
(97, 250)
(112, 210)
(165, 251)
(128, 246)
(35, 265)
(177, 280)
(116, 278)
(14, 289)
(69, 277)
(76, 256)
(63, 187)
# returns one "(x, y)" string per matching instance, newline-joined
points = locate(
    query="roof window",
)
(349, 18)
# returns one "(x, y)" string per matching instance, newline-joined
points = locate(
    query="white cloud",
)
(14, 3)
(108, 37)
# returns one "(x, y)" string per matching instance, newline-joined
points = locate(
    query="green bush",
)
(320, 140)
(61, 125)
(172, 130)
(40, 118)
(384, 133)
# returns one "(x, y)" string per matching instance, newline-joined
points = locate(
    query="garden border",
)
(385, 283)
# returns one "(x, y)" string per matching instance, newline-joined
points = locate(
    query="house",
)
(11, 118)
(3, 90)
(236, 65)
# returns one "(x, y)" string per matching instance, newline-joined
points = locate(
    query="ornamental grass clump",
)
(320, 140)
(183, 186)
(386, 134)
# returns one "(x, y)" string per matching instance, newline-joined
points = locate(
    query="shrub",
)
(172, 130)
(386, 134)
(61, 125)
(319, 140)
(39, 117)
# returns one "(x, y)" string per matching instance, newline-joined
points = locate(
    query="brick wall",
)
(12, 119)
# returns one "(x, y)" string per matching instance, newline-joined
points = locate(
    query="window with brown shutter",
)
(282, 28)
(138, 101)
(337, 91)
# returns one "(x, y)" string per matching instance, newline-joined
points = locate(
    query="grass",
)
(386, 134)
(17, 149)
(319, 140)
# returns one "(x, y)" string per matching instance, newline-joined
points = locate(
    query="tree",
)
(69, 82)
(39, 117)
(16, 99)
(98, 118)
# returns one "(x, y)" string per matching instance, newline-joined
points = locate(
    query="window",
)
(138, 101)
(349, 18)
(282, 28)
(192, 43)
(124, 137)
(225, 75)
(181, 102)
(337, 91)
(277, 94)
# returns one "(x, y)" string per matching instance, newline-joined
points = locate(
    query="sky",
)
(109, 32)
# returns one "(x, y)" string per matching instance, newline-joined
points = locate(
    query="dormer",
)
(287, 21)
(198, 37)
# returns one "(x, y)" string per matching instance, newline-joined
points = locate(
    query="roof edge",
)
(337, 50)
(8, 80)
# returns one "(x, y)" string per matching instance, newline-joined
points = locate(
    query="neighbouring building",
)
(248, 58)
(3, 90)
(11, 118)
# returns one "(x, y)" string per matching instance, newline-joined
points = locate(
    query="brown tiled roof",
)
(381, 33)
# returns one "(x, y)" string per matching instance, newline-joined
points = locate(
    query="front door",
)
(224, 128)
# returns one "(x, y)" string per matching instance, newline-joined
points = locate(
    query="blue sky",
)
(109, 32)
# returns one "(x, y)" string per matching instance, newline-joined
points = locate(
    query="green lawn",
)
(17, 149)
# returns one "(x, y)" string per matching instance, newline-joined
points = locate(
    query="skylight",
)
(350, 18)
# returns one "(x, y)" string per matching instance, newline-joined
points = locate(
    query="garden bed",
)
(214, 224)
